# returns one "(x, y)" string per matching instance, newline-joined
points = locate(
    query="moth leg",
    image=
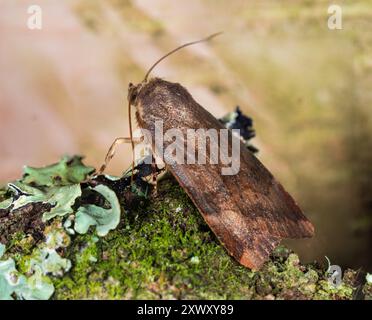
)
(152, 178)
(154, 174)
(111, 152)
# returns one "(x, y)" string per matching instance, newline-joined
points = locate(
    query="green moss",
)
(367, 291)
(164, 249)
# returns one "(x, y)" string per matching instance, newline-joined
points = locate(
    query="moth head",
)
(133, 91)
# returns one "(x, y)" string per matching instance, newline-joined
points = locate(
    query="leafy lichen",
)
(92, 215)
(70, 170)
(33, 282)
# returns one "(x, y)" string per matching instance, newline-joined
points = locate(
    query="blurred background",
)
(308, 88)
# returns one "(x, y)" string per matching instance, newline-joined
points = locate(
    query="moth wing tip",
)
(309, 229)
(254, 263)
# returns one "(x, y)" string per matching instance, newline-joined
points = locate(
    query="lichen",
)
(70, 170)
(367, 289)
(92, 215)
(30, 279)
(62, 199)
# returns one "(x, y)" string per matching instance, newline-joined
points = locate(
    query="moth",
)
(249, 212)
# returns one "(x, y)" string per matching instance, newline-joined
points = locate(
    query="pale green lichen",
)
(5, 203)
(68, 225)
(67, 175)
(14, 284)
(38, 287)
(45, 257)
(92, 215)
(62, 199)
(70, 170)
(10, 279)
(369, 278)
(25, 194)
(367, 289)
(31, 279)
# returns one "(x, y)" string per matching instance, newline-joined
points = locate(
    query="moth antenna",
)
(131, 137)
(179, 48)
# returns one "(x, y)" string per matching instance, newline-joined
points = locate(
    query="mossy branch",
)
(159, 248)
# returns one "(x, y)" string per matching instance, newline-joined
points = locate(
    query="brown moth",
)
(249, 212)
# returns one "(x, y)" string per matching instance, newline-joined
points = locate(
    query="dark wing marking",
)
(249, 212)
